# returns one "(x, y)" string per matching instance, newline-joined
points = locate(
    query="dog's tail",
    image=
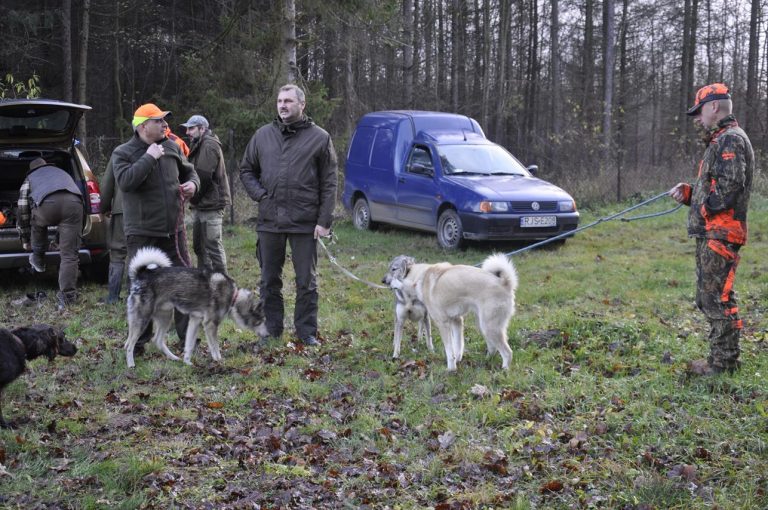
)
(148, 257)
(499, 265)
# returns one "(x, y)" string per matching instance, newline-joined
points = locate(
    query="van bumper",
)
(505, 227)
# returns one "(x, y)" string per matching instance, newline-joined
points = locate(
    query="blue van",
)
(438, 172)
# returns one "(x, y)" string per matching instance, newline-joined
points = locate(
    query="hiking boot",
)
(310, 341)
(63, 300)
(703, 368)
(33, 298)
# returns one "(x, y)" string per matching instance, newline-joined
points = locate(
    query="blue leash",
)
(597, 222)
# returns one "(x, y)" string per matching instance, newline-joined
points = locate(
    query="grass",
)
(598, 409)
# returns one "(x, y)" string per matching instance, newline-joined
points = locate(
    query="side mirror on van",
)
(534, 169)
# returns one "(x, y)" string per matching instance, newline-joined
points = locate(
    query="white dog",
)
(407, 304)
(449, 292)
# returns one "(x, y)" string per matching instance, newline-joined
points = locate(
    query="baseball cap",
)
(196, 120)
(708, 93)
(146, 112)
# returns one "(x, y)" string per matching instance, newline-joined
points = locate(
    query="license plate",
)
(538, 221)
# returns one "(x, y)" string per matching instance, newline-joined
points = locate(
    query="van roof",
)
(422, 121)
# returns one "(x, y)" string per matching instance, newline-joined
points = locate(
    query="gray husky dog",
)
(407, 304)
(157, 288)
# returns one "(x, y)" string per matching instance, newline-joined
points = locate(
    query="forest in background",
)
(594, 92)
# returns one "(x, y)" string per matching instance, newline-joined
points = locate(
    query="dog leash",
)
(345, 270)
(597, 222)
(181, 226)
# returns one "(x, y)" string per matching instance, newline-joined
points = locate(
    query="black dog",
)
(21, 344)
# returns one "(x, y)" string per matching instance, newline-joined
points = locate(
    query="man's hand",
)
(679, 192)
(156, 151)
(321, 231)
(188, 190)
(27, 246)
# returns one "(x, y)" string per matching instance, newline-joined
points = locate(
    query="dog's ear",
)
(409, 261)
(37, 341)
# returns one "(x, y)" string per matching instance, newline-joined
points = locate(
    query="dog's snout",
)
(67, 348)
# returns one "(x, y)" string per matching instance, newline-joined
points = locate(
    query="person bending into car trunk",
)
(154, 177)
(289, 168)
(49, 196)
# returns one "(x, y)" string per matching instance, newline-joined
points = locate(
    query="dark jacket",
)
(208, 159)
(720, 197)
(111, 196)
(151, 196)
(291, 171)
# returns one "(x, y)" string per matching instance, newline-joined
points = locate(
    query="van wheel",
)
(361, 215)
(450, 233)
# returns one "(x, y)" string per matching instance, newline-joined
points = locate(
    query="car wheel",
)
(361, 215)
(450, 233)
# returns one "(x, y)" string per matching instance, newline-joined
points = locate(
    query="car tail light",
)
(94, 196)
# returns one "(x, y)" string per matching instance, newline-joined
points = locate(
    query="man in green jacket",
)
(155, 178)
(208, 205)
(289, 168)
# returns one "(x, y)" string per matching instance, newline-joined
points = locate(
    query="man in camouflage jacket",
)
(718, 220)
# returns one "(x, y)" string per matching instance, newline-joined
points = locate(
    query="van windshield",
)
(479, 160)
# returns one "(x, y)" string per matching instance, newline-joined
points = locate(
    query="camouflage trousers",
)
(716, 263)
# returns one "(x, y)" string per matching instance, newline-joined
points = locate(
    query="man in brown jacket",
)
(289, 168)
(214, 195)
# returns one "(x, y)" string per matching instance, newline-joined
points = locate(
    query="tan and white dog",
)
(449, 292)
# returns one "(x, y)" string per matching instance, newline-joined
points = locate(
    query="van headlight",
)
(488, 207)
(566, 205)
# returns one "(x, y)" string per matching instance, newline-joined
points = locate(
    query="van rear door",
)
(379, 182)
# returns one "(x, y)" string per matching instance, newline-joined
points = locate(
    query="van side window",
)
(420, 162)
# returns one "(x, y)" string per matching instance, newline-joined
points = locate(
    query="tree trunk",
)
(83, 68)
(501, 76)
(455, 49)
(690, 18)
(588, 62)
(118, 84)
(622, 96)
(66, 47)
(408, 67)
(487, 67)
(289, 41)
(609, 55)
(554, 41)
(429, 36)
(752, 60)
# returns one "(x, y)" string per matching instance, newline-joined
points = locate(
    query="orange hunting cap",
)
(146, 112)
(708, 93)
